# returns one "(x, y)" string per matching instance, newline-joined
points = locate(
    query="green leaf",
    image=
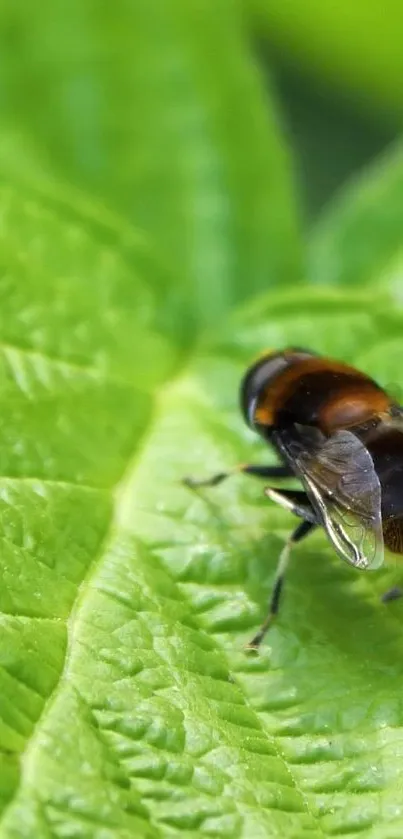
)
(359, 237)
(140, 103)
(353, 47)
(128, 706)
(22, 165)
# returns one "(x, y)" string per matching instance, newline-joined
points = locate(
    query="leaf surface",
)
(128, 703)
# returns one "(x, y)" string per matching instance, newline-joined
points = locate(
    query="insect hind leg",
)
(299, 533)
(394, 593)
(294, 500)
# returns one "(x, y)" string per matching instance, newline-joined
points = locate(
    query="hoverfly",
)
(341, 435)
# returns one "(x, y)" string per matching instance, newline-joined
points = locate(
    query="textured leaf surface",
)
(128, 706)
(140, 103)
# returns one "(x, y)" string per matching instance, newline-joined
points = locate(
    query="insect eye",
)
(262, 373)
(257, 378)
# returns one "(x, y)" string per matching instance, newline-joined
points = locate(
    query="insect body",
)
(341, 435)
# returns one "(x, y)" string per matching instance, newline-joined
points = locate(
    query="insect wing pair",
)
(339, 477)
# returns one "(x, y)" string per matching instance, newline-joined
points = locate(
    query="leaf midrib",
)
(72, 622)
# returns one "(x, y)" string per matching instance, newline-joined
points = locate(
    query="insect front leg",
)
(392, 594)
(266, 472)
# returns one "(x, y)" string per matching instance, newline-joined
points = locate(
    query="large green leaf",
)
(127, 704)
(157, 108)
(128, 707)
(359, 238)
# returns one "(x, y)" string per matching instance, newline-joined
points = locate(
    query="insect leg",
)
(294, 500)
(266, 472)
(393, 594)
(299, 533)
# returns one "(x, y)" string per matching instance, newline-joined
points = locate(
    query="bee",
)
(340, 434)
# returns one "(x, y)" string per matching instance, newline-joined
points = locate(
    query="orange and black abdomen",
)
(320, 392)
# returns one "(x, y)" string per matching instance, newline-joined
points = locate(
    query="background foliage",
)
(167, 172)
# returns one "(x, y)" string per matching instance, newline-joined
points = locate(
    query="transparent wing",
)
(339, 476)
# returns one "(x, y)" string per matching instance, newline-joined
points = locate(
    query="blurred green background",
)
(331, 135)
(338, 69)
(137, 105)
